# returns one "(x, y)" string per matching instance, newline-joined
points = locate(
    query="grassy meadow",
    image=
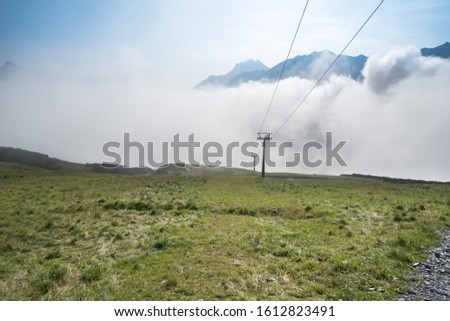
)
(87, 236)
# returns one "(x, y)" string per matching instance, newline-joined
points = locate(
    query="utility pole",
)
(264, 137)
(255, 156)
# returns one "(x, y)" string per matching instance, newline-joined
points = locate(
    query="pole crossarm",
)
(264, 136)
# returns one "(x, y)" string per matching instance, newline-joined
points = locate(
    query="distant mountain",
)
(306, 66)
(249, 66)
(309, 66)
(442, 51)
(8, 69)
(312, 66)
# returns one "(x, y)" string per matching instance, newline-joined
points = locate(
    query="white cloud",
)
(384, 72)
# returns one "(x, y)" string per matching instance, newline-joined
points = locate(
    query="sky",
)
(184, 41)
(93, 70)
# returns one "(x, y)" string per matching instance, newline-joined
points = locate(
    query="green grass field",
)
(86, 236)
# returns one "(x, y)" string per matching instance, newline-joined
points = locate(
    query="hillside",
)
(21, 156)
(24, 157)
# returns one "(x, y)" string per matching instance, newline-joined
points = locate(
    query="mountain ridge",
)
(239, 69)
(442, 51)
(310, 66)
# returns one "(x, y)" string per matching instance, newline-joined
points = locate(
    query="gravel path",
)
(435, 273)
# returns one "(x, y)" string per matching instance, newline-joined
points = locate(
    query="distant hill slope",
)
(24, 157)
(392, 179)
(34, 159)
(21, 156)
(309, 66)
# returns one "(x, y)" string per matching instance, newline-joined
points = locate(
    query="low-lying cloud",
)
(395, 122)
(384, 72)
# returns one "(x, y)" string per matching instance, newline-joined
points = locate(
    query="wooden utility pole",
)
(264, 137)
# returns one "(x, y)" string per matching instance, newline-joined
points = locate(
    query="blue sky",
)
(190, 39)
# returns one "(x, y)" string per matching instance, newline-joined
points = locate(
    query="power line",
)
(284, 66)
(328, 69)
